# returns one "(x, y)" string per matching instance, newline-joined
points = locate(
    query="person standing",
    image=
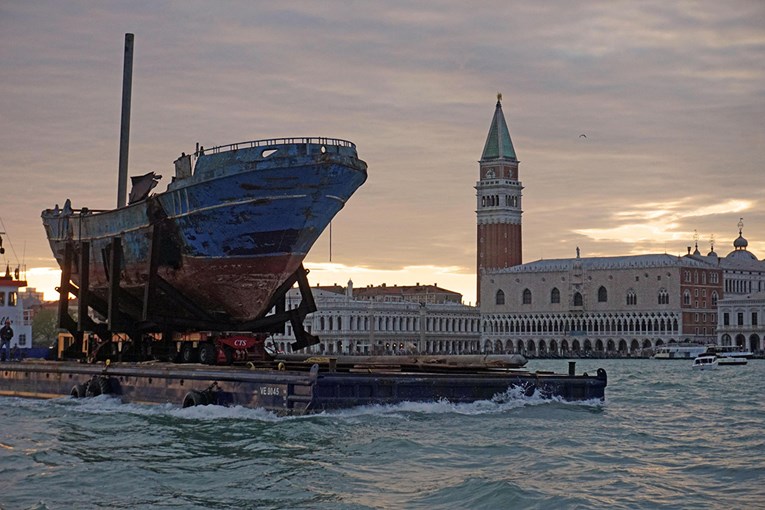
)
(6, 334)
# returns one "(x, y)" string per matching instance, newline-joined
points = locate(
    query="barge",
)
(290, 388)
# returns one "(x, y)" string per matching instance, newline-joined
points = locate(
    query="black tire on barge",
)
(78, 391)
(207, 353)
(195, 398)
(188, 353)
(99, 385)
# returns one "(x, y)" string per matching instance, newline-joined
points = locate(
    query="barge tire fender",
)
(78, 391)
(194, 398)
(602, 375)
(98, 385)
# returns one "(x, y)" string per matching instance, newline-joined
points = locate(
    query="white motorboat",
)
(725, 361)
(732, 351)
(705, 362)
(679, 351)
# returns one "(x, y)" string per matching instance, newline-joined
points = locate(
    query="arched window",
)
(578, 299)
(602, 295)
(663, 296)
(714, 297)
(500, 297)
(687, 297)
(526, 297)
(631, 297)
(555, 296)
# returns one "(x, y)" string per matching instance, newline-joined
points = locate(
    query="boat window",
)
(12, 299)
(2, 298)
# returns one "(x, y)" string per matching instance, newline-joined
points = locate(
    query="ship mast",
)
(127, 89)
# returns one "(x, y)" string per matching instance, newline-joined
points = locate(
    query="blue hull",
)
(231, 232)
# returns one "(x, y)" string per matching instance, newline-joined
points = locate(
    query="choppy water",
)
(666, 437)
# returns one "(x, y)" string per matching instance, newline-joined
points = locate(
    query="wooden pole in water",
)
(127, 90)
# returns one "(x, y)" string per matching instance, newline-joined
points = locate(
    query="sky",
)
(670, 95)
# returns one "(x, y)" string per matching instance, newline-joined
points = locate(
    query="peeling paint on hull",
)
(231, 233)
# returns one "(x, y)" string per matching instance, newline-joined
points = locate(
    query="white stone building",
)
(740, 321)
(609, 305)
(12, 309)
(346, 324)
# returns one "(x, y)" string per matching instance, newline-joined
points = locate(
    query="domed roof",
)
(740, 243)
(740, 255)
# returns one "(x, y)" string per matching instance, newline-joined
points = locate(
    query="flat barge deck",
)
(287, 388)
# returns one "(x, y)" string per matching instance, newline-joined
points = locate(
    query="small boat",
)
(731, 351)
(731, 360)
(679, 351)
(705, 362)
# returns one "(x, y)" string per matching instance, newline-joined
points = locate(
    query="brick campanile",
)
(498, 194)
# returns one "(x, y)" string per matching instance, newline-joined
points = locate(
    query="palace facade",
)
(387, 320)
(619, 305)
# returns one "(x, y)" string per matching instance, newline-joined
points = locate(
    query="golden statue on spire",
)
(499, 97)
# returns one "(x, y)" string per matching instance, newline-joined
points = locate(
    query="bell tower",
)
(498, 194)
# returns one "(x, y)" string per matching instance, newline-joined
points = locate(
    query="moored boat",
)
(679, 351)
(731, 361)
(730, 351)
(705, 362)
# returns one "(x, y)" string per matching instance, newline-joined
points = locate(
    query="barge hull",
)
(284, 392)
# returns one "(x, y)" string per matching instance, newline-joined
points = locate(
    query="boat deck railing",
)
(316, 140)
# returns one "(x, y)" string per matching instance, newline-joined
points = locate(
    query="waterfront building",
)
(740, 321)
(609, 305)
(12, 309)
(386, 320)
(743, 273)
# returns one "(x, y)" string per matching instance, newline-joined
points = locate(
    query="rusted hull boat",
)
(226, 235)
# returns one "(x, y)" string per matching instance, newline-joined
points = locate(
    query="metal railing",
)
(316, 140)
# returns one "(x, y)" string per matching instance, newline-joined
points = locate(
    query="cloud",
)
(671, 96)
(659, 223)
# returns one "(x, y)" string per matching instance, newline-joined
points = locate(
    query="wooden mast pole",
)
(127, 89)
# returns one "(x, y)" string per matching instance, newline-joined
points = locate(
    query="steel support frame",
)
(119, 304)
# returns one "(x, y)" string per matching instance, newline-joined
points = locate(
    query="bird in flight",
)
(582, 136)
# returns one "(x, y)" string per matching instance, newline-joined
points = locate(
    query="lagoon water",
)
(666, 437)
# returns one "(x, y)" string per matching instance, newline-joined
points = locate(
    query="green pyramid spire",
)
(498, 143)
